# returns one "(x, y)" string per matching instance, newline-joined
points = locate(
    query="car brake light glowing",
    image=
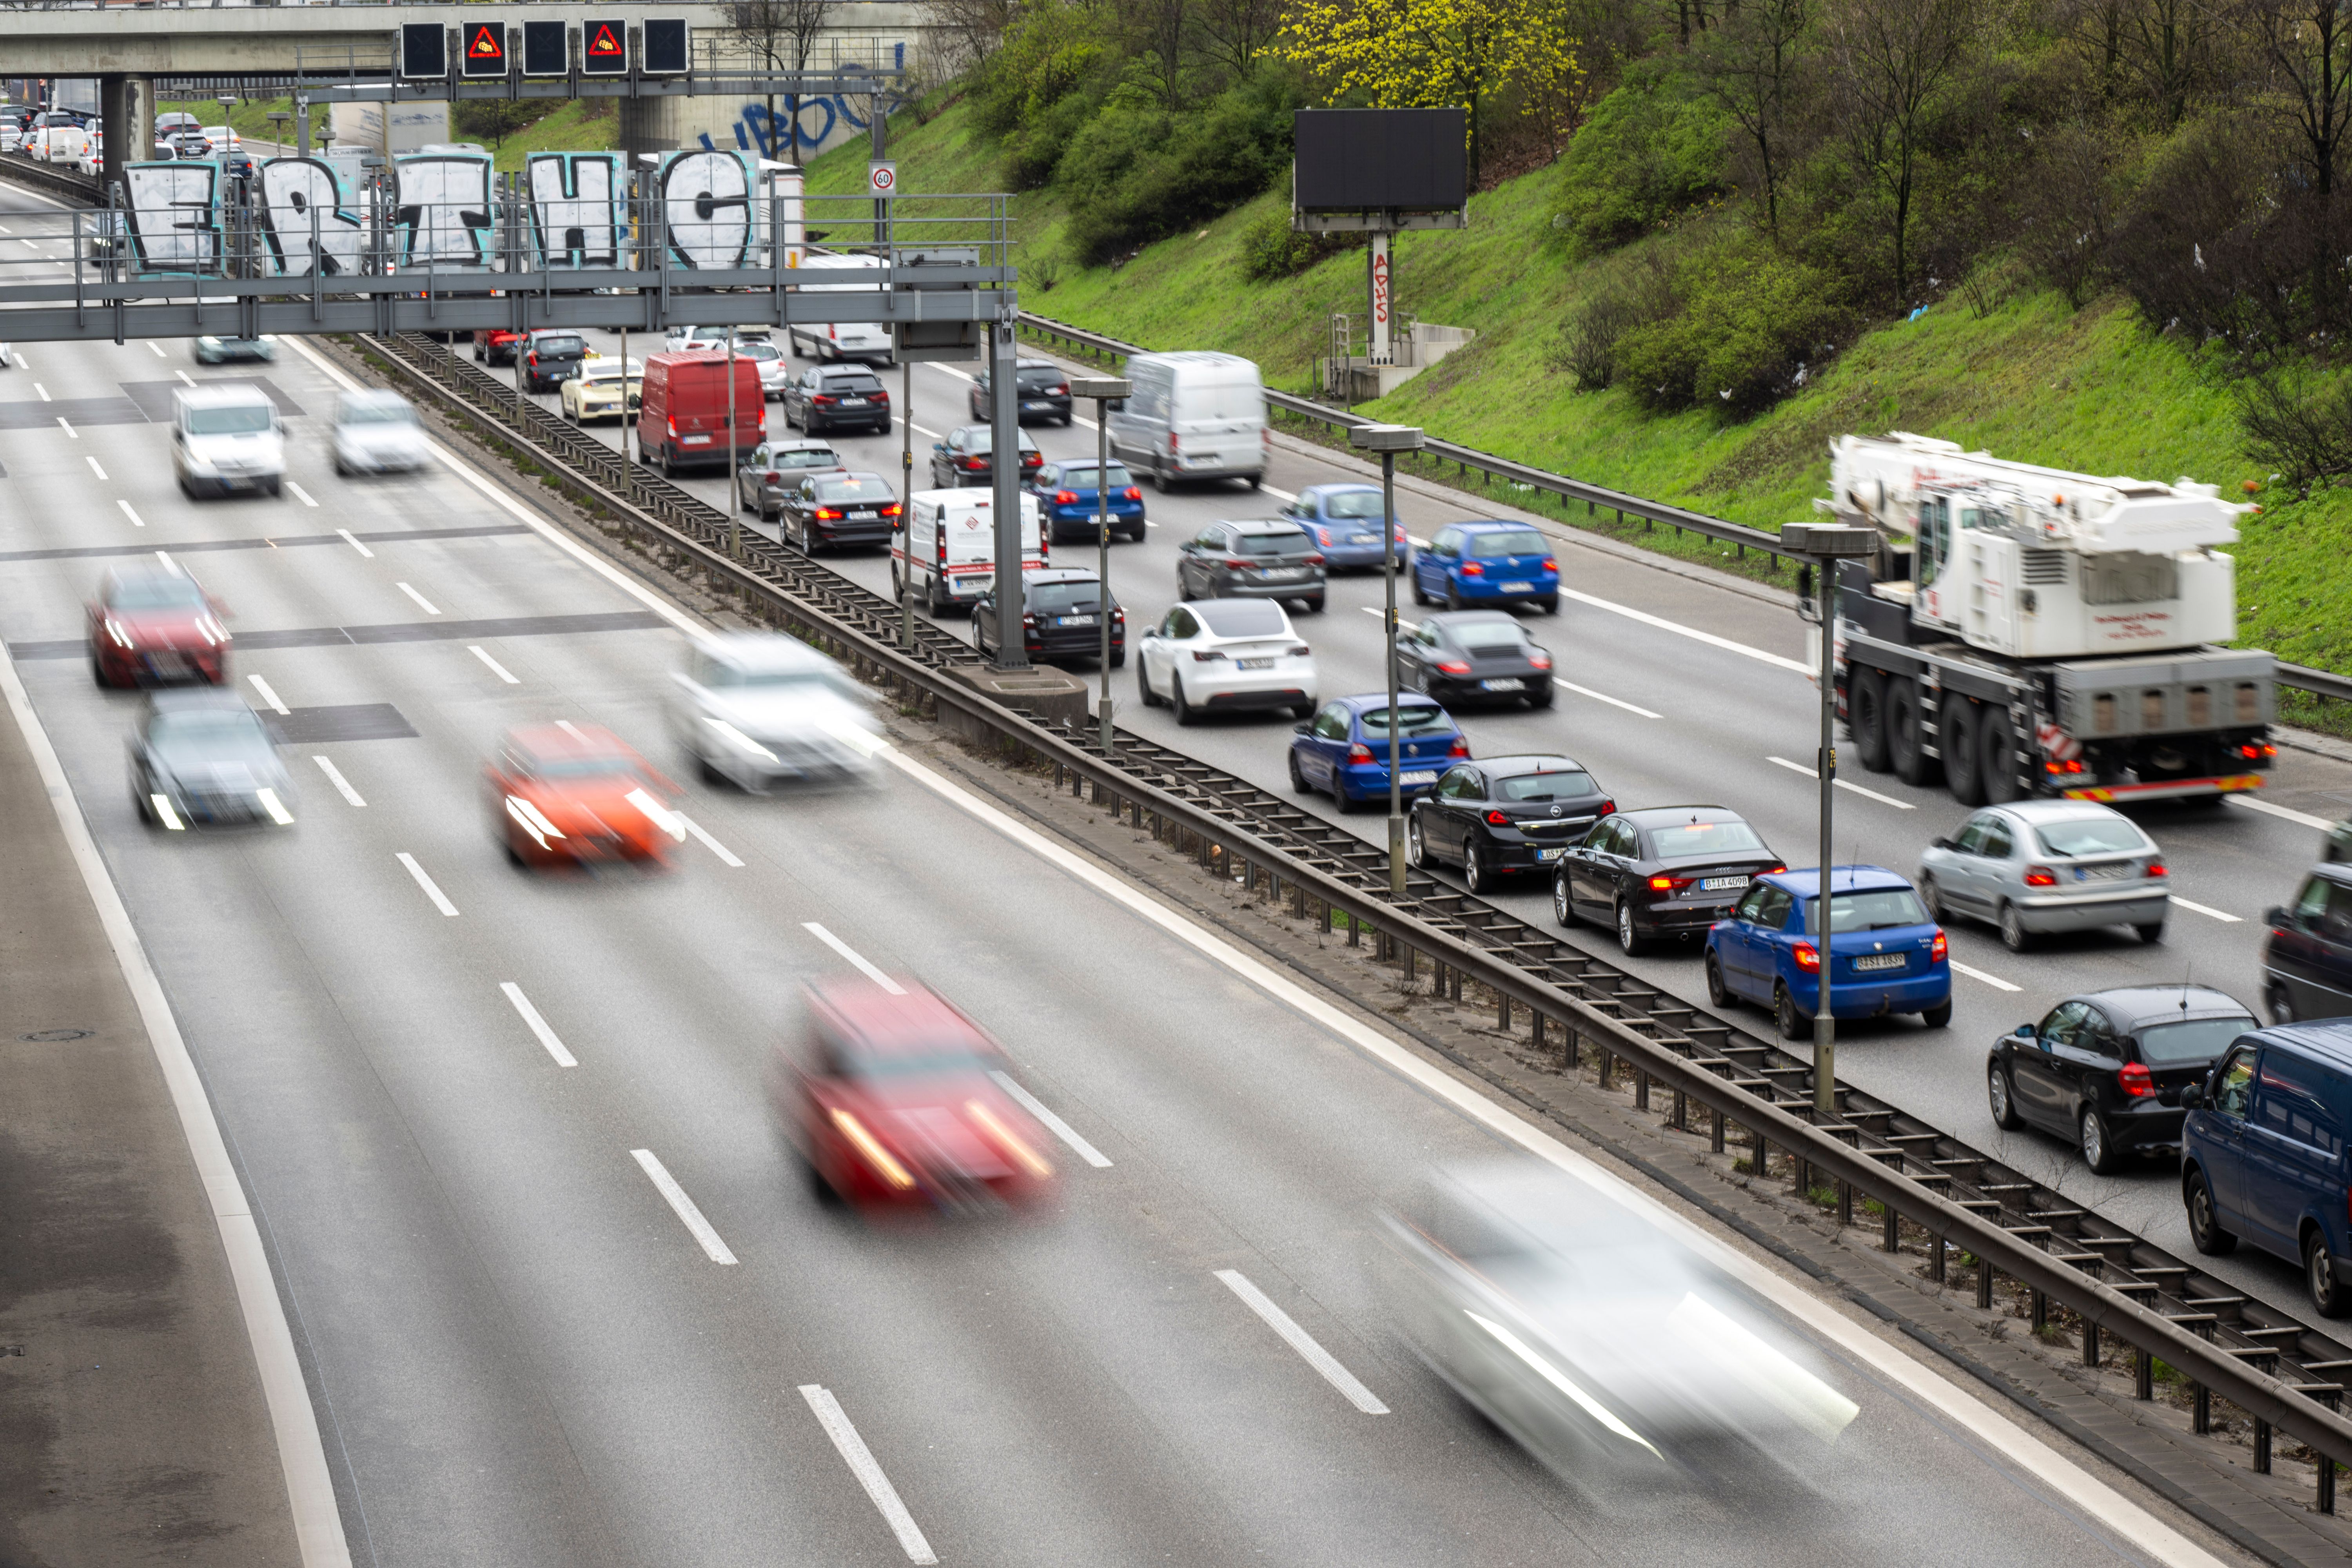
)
(1661, 884)
(1066, 497)
(1130, 493)
(1461, 748)
(975, 464)
(1471, 569)
(865, 1144)
(2040, 877)
(2156, 868)
(1550, 565)
(1007, 1139)
(2136, 1080)
(1498, 819)
(1360, 753)
(893, 510)
(1808, 959)
(1453, 667)
(1539, 661)
(824, 397)
(1942, 949)
(828, 514)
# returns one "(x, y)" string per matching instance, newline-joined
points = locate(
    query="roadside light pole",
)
(1824, 545)
(1103, 391)
(1388, 440)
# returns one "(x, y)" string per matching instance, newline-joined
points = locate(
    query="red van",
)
(682, 419)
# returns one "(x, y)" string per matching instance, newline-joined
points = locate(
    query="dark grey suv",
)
(1268, 559)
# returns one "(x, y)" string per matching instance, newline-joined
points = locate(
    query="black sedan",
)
(1502, 814)
(1464, 655)
(1668, 870)
(833, 396)
(551, 358)
(964, 457)
(1044, 388)
(2107, 1069)
(837, 507)
(1061, 617)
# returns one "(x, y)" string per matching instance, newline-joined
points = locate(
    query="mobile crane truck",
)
(2026, 631)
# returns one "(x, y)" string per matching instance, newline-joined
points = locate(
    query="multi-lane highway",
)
(563, 1294)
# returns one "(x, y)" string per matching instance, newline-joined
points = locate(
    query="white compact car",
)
(759, 710)
(377, 433)
(227, 436)
(1226, 656)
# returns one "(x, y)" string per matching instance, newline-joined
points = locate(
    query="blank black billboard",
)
(1352, 159)
(424, 49)
(665, 45)
(546, 48)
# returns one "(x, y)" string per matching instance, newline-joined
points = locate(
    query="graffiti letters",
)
(307, 219)
(441, 210)
(173, 213)
(578, 215)
(707, 208)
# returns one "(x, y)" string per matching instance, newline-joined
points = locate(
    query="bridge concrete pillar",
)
(121, 101)
(648, 125)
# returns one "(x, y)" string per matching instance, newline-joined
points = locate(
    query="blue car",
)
(1065, 500)
(2262, 1152)
(1486, 563)
(1344, 749)
(1344, 522)
(1885, 954)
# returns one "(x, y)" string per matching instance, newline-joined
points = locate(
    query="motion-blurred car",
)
(1885, 954)
(228, 351)
(1487, 562)
(1475, 656)
(598, 391)
(2037, 865)
(2105, 1069)
(496, 345)
(1042, 387)
(153, 623)
(1344, 521)
(895, 1099)
(1666, 871)
(965, 458)
(1504, 815)
(1224, 656)
(227, 436)
(552, 357)
(1068, 495)
(776, 469)
(1061, 617)
(204, 757)
(575, 794)
(1599, 1341)
(377, 432)
(831, 396)
(2308, 948)
(1344, 749)
(835, 507)
(759, 710)
(1259, 559)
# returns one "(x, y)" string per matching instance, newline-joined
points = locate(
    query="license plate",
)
(1551, 854)
(2102, 873)
(1284, 572)
(1081, 621)
(1033, 407)
(1721, 884)
(866, 516)
(167, 663)
(853, 403)
(1502, 685)
(1880, 961)
(1261, 664)
(1422, 776)
(1518, 587)
(694, 441)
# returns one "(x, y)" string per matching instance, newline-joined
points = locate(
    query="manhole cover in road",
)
(53, 1037)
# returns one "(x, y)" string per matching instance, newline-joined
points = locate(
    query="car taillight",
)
(531, 359)
(1941, 950)
(1119, 614)
(1549, 564)
(828, 514)
(2156, 868)
(1453, 667)
(1461, 747)
(1539, 661)
(1313, 560)
(1066, 497)
(1205, 655)
(1471, 569)
(1028, 618)
(893, 510)
(1807, 958)
(2136, 1080)
(1130, 493)
(1171, 440)
(2040, 877)
(1033, 459)
(882, 397)
(1058, 392)
(1668, 884)
(824, 397)
(1608, 808)
(2257, 751)
(672, 430)
(975, 464)
(1497, 819)
(773, 479)
(1234, 561)
(1300, 650)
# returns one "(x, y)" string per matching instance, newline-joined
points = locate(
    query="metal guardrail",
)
(70, 183)
(2163, 1308)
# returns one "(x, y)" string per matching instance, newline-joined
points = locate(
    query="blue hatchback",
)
(1065, 500)
(2262, 1152)
(1344, 749)
(1344, 522)
(1486, 563)
(1885, 954)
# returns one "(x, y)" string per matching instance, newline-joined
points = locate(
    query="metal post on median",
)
(1004, 479)
(905, 575)
(734, 457)
(1103, 391)
(1388, 440)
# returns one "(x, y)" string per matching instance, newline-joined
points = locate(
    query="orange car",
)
(575, 793)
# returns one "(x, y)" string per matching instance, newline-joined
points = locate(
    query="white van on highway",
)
(1193, 416)
(947, 546)
(866, 340)
(227, 436)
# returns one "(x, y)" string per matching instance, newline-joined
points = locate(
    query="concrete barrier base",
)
(1055, 695)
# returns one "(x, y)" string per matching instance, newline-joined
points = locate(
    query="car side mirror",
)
(939, 446)
(1940, 843)
(1303, 727)
(2275, 915)
(2192, 1096)
(2026, 1031)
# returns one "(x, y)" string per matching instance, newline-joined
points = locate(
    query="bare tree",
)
(2168, 45)
(2307, 46)
(1898, 64)
(782, 34)
(1752, 62)
(1233, 31)
(970, 30)
(1163, 32)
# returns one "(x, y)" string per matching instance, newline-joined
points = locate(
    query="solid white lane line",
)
(1995, 981)
(705, 839)
(94, 468)
(44, 392)
(563, 1059)
(135, 519)
(1631, 614)
(2255, 802)
(496, 668)
(352, 541)
(682, 1205)
(335, 777)
(1845, 785)
(268, 695)
(1299, 1340)
(1604, 697)
(425, 882)
(1060, 1129)
(2222, 915)
(183, 376)
(862, 1464)
(68, 429)
(869, 970)
(423, 603)
(300, 494)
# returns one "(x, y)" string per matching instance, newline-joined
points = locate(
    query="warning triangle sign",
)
(604, 45)
(486, 42)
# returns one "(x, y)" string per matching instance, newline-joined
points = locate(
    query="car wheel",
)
(1543, 698)
(1315, 605)
(1143, 689)
(2280, 1003)
(1999, 1100)
(1718, 994)
(821, 1189)
(1475, 873)
(1933, 896)
(1551, 606)
(1453, 595)
(2013, 934)
(1160, 481)
(2204, 1225)
(1867, 692)
(2150, 934)
(98, 673)
(1416, 852)
(1298, 780)
(1794, 1026)
(1563, 911)
(2091, 1137)
(2327, 1292)
(1119, 658)
(1185, 712)
(1628, 938)
(1938, 1017)
(1417, 596)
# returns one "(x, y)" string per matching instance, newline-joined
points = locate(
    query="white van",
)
(866, 340)
(59, 143)
(227, 436)
(1193, 416)
(950, 554)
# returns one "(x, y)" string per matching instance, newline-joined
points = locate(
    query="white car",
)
(377, 433)
(774, 368)
(223, 137)
(759, 710)
(92, 161)
(595, 393)
(682, 338)
(227, 436)
(1225, 656)
(12, 136)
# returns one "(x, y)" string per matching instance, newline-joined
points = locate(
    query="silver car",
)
(2042, 866)
(203, 756)
(758, 710)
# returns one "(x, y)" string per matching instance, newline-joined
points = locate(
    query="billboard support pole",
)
(1382, 302)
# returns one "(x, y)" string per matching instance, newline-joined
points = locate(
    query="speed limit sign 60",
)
(882, 178)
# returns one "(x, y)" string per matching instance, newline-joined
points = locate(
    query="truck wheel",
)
(1866, 696)
(1906, 709)
(1996, 758)
(1956, 737)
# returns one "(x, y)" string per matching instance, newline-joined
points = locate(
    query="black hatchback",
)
(1044, 391)
(2105, 1069)
(2307, 950)
(551, 358)
(1061, 617)
(1499, 816)
(1465, 656)
(1668, 870)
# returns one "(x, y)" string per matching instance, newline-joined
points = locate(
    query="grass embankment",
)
(2091, 390)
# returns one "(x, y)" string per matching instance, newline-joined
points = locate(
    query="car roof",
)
(1850, 879)
(1489, 525)
(1337, 486)
(1381, 699)
(901, 1018)
(1663, 816)
(2336, 872)
(2059, 810)
(1444, 619)
(761, 650)
(2331, 1040)
(2138, 1005)
(844, 473)
(1059, 574)
(224, 393)
(1527, 761)
(552, 741)
(1260, 525)
(799, 444)
(867, 370)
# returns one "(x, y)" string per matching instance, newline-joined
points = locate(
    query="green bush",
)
(1653, 148)
(1271, 251)
(1038, 90)
(1749, 318)
(1136, 173)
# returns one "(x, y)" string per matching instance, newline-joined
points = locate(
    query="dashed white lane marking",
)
(1846, 784)
(68, 429)
(157, 347)
(1060, 1129)
(863, 1465)
(440, 902)
(496, 668)
(864, 966)
(563, 1059)
(1995, 981)
(1604, 696)
(300, 494)
(423, 603)
(183, 376)
(1693, 633)
(268, 695)
(44, 392)
(1299, 1340)
(704, 839)
(335, 777)
(2254, 803)
(94, 468)
(349, 538)
(683, 1206)
(135, 520)
(2222, 915)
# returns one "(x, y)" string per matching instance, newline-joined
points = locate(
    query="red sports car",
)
(895, 1102)
(153, 623)
(575, 794)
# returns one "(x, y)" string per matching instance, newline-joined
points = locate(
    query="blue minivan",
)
(1887, 956)
(2262, 1154)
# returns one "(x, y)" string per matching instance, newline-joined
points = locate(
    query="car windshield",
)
(1562, 784)
(557, 346)
(1492, 640)
(2090, 836)
(867, 489)
(762, 350)
(1517, 542)
(1354, 503)
(1063, 598)
(978, 439)
(1234, 400)
(610, 378)
(1243, 618)
(734, 678)
(1683, 839)
(938, 1061)
(237, 419)
(1871, 909)
(1289, 542)
(824, 458)
(217, 734)
(1414, 720)
(378, 414)
(155, 594)
(2190, 1041)
(1081, 476)
(1040, 379)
